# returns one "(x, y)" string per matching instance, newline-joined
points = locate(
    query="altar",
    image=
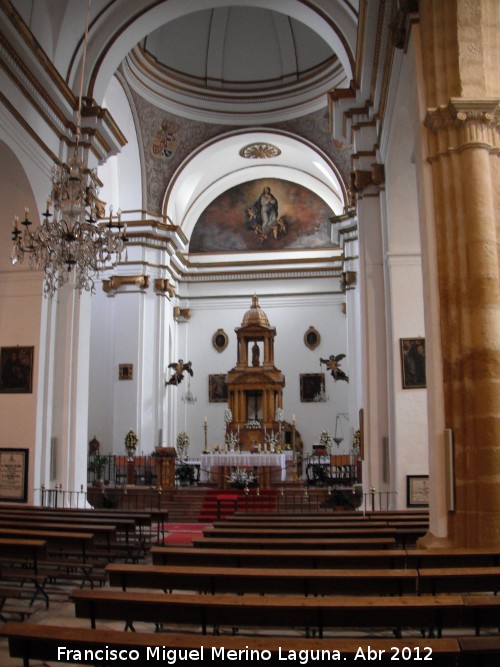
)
(268, 467)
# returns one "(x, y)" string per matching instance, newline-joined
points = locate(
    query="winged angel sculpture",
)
(179, 368)
(333, 365)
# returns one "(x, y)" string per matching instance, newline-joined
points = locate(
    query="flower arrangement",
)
(280, 415)
(232, 440)
(182, 443)
(131, 441)
(253, 423)
(217, 447)
(271, 440)
(356, 441)
(241, 478)
(228, 416)
(325, 439)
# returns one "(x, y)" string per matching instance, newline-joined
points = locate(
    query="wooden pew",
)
(404, 535)
(264, 580)
(143, 519)
(28, 553)
(305, 531)
(42, 642)
(298, 543)
(66, 551)
(103, 533)
(453, 557)
(304, 558)
(116, 529)
(479, 651)
(7, 609)
(482, 611)
(271, 611)
(458, 580)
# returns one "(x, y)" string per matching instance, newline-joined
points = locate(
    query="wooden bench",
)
(458, 580)
(43, 642)
(7, 610)
(55, 563)
(453, 557)
(264, 580)
(297, 543)
(304, 532)
(143, 519)
(482, 611)
(304, 558)
(479, 651)
(272, 611)
(26, 554)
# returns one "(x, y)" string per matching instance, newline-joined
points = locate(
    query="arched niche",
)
(217, 166)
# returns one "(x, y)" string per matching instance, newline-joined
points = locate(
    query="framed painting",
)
(14, 475)
(312, 338)
(413, 363)
(417, 490)
(220, 340)
(312, 387)
(125, 371)
(16, 370)
(217, 389)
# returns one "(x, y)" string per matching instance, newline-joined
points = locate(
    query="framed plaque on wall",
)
(14, 475)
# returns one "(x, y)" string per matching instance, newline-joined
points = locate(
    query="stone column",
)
(463, 97)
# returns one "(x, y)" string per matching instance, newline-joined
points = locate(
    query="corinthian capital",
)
(465, 123)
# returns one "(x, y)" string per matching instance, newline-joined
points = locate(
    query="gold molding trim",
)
(182, 314)
(164, 285)
(362, 178)
(115, 282)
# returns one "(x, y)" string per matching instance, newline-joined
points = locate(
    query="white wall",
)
(291, 314)
(408, 423)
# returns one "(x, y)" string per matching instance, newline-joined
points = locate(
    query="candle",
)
(293, 419)
(16, 222)
(206, 420)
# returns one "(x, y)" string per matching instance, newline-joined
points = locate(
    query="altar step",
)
(220, 503)
(185, 504)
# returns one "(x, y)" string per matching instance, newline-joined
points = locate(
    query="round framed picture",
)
(220, 340)
(312, 338)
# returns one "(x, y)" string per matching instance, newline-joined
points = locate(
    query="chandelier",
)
(74, 239)
(188, 396)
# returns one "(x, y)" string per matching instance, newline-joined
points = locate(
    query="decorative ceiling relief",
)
(259, 151)
(265, 214)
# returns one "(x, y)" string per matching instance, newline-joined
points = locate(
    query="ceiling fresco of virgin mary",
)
(265, 214)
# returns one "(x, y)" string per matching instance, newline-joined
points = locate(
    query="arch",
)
(118, 28)
(217, 166)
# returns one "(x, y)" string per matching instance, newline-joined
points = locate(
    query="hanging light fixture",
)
(339, 434)
(188, 396)
(72, 239)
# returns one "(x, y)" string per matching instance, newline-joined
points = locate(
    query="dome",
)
(234, 62)
(255, 315)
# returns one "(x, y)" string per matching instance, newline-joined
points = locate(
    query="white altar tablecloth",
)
(239, 459)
